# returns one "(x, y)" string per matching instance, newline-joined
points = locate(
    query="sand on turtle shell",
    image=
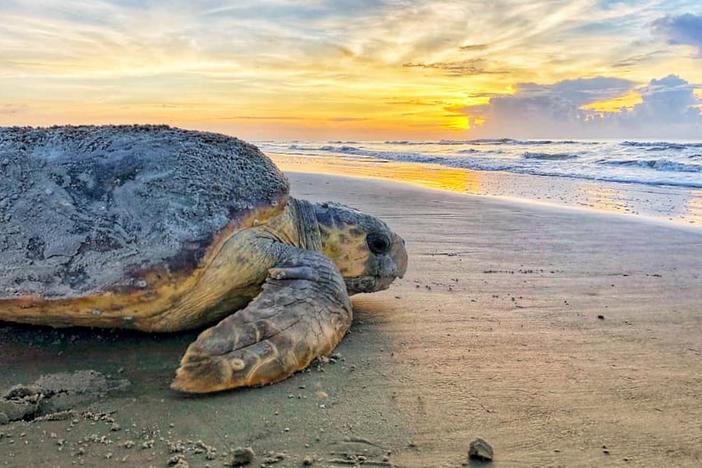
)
(90, 207)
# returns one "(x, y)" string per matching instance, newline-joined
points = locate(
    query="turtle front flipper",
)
(302, 312)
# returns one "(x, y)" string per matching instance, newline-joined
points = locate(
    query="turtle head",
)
(367, 252)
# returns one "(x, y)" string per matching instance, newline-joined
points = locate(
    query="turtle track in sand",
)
(53, 394)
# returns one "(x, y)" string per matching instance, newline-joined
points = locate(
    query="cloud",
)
(472, 47)
(683, 29)
(535, 107)
(670, 100)
(458, 68)
(287, 117)
(579, 91)
(11, 109)
(667, 110)
(190, 63)
(639, 60)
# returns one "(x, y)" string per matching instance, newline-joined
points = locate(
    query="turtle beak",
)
(394, 265)
(386, 269)
(398, 253)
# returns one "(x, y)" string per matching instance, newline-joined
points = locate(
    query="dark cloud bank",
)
(668, 110)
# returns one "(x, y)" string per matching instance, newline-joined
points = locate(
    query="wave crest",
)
(550, 156)
(664, 165)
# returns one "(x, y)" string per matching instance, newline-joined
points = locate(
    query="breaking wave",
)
(657, 164)
(550, 156)
(488, 141)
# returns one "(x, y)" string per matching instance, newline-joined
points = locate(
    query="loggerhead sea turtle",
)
(160, 229)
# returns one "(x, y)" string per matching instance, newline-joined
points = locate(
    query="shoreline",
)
(587, 196)
(653, 220)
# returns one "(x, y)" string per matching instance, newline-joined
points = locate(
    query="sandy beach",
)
(563, 337)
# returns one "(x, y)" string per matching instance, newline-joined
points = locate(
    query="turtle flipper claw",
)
(302, 312)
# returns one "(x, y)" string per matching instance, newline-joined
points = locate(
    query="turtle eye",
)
(378, 243)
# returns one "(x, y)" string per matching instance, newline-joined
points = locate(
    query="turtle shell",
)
(90, 209)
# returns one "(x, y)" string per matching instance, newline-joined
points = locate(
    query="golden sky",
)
(373, 69)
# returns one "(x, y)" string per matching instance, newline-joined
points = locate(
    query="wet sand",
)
(562, 337)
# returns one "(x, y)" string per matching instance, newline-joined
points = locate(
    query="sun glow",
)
(617, 104)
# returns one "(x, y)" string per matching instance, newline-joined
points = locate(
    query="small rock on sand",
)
(178, 461)
(480, 450)
(242, 456)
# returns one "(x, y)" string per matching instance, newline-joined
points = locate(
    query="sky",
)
(358, 69)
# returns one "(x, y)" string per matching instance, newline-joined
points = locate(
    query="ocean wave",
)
(421, 142)
(302, 148)
(341, 149)
(328, 148)
(488, 141)
(377, 154)
(510, 141)
(666, 177)
(550, 156)
(665, 165)
(660, 145)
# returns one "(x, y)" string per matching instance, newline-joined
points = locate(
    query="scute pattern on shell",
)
(81, 207)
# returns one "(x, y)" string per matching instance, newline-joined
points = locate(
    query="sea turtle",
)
(160, 229)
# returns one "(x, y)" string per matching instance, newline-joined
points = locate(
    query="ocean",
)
(651, 163)
(660, 179)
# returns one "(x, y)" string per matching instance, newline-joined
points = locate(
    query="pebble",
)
(308, 460)
(178, 461)
(242, 456)
(274, 458)
(480, 450)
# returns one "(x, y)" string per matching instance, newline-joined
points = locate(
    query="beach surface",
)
(563, 337)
